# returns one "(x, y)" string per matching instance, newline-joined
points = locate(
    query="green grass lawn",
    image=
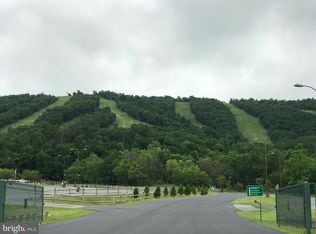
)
(184, 109)
(268, 214)
(91, 200)
(269, 220)
(56, 214)
(31, 119)
(249, 126)
(123, 120)
(270, 201)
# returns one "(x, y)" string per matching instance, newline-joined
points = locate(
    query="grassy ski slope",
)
(123, 120)
(310, 111)
(184, 109)
(31, 119)
(250, 126)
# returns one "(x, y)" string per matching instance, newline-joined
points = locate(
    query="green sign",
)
(254, 190)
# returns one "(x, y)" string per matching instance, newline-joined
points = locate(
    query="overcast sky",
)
(219, 49)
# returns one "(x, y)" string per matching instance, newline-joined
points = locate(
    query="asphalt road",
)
(198, 215)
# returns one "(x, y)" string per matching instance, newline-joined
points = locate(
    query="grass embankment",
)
(54, 214)
(31, 119)
(184, 109)
(268, 214)
(123, 120)
(249, 126)
(92, 200)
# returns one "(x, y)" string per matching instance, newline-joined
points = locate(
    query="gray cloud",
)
(221, 49)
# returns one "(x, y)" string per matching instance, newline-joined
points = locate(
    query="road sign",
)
(254, 190)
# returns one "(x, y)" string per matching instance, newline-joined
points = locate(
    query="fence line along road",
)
(50, 191)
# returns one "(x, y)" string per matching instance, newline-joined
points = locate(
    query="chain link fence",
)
(294, 206)
(21, 202)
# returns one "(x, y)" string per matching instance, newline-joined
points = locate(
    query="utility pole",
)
(266, 170)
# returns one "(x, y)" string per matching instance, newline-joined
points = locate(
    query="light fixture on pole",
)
(302, 85)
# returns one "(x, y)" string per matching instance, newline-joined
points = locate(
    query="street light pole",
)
(78, 167)
(266, 170)
(279, 171)
(78, 152)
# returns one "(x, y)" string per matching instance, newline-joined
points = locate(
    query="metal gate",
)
(21, 202)
(293, 206)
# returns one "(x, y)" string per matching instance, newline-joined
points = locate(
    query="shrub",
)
(157, 192)
(146, 191)
(193, 190)
(204, 191)
(7, 173)
(136, 193)
(180, 190)
(31, 175)
(173, 191)
(165, 191)
(187, 190)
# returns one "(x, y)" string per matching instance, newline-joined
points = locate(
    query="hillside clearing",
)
(249, 126)
(31, 119)
(123, 120)
(310, 112)
(184, 109)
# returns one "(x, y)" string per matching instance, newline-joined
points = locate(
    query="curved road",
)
(198, 215)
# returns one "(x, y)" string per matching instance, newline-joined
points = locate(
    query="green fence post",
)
(42, 203)
(307, 208)
(54, 194)
(35, 200)
(2, 200)
(276, 207)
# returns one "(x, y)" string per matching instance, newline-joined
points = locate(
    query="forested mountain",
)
(81, 142)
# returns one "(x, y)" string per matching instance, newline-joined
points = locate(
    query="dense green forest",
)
(81, 142)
